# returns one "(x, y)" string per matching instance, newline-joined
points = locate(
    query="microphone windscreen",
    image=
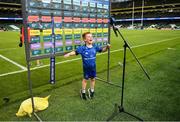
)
(112, 21)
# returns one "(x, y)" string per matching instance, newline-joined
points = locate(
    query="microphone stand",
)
(126, 45)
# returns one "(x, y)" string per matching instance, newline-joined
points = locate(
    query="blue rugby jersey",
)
(88, 55)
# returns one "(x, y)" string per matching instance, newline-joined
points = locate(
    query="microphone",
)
(112, 22)
(20, 44)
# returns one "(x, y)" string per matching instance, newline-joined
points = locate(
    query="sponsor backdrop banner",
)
(56, 26)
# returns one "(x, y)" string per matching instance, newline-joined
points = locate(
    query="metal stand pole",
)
(121, 108)
(31, 91)
(30, 85)
(107, 80)
(26, 38)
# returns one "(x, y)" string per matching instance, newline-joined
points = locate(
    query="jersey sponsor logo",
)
(90, 58)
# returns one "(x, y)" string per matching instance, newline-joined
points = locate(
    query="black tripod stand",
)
(120, 109)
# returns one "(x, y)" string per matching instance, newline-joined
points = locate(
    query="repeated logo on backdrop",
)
(56, 26)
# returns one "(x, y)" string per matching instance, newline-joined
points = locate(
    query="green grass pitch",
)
(155, 99)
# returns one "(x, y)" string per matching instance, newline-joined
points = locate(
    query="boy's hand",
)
(66, 55)
(69, 54)
(108, 46)
(104, 49)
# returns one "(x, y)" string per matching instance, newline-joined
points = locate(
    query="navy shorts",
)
(89, 73)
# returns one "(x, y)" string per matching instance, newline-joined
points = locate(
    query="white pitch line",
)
(5, 49)
(164, 40)
(10, 73)
(13, 62)
(75, 59)
(61, 62)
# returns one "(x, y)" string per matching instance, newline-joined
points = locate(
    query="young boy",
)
(88, 54)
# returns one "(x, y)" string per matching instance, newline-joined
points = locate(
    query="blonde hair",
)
(84, 35)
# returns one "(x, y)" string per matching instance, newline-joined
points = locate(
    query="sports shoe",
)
(83, 95)
(90, 93)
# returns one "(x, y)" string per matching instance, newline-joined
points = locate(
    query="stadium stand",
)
(138, 3)
(9, 10)
(121, 9)
(163, 13)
